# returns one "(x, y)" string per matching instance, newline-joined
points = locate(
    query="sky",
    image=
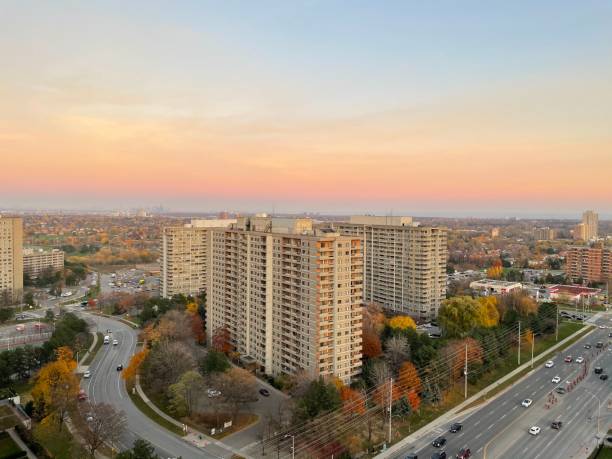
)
(424, 108)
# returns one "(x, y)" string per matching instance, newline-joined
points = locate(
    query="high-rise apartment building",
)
(405, 264)
(11, 260)
(36, 261)
(290, 295)
(184, 257)
(579, 233)
(590, 220)
(591, 264)
(544, 234)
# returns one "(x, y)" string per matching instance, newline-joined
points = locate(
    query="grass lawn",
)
(7, 418)
(147, 410)
(205, 421)
(93, 352)
(8, 447)
(604, 453)
(60, 445)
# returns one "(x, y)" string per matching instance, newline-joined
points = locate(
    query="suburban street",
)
(499, 429)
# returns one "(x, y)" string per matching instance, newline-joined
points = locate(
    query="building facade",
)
(405, 264)
(544, 234)
(184, 257)
(11, 260)
(494, 287)
(290, 295)
(590, 220)
(590, 264)
(36, 261)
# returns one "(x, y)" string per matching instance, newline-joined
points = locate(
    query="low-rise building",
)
(494, 287)
(35, 261)
(574, 294)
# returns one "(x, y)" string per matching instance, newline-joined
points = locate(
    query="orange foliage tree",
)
(135, 362)
(371, 345)
(454, 354)
(408, 378)
(414, 400)
(197, 327)
(221, 340)
(353, 401)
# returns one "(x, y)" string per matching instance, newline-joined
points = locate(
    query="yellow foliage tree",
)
(56, 388)
(402, 323)
(192, 308)
(529, 336)
(132, 369)
(495, 272)
(65, 354)
(488, 311)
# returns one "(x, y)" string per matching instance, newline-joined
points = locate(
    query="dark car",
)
(603, 377)
(439, 455)
(560, 390)
(598, 370)
(456, 427)
(439, 442)
(264, 392)
(599, 345)
(119, 367)
(464, 453)
(412, 456)
(556, 425)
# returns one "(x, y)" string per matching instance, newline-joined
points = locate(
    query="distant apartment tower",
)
(290, 295)
(405, 264)
(544, 234)
(579, 232)
(11, 260)
(494, 232)
(590, 220)
(591, 264)
(184, 257)
(36, 261)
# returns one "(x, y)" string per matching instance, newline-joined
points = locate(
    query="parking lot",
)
(129, 281)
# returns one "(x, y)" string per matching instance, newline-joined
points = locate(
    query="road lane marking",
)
(503, 416)
(479, 435)
(476, 423)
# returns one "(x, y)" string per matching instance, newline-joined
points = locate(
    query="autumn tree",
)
(175, 326)
(165, 363)
(370, 344)
(496, 270)
(408, 378)
(414, 400)
(459, 315)
(56, 387)
(238, 388)
(353, 400)
(185, 394)
(454, 356)
(401, 323)
(488, 312)
(373, 318)
(396, 351)
(321, 396)
(221, 340)
(105, 425)
(134, 366)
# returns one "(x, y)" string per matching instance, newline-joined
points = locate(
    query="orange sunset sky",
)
(314, 106)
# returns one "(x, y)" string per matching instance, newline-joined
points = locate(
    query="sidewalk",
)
(458, 410)
(17, 439)
(83, 368)
(195, 437)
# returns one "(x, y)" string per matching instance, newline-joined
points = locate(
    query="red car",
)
(82, 395)
(568, 359)
(464, 453)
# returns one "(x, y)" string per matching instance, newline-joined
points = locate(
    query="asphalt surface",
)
(499, 429)
(105, 385)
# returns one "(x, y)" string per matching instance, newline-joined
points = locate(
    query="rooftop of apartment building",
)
(39, 250)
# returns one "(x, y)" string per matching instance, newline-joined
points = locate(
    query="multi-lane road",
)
(499, 429)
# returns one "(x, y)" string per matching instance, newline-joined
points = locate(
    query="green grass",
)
(95, 350)
(60, 445)
(604, 453)
(8, 447)
(150, 413)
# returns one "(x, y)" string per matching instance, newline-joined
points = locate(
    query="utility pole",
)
(557, 327)
(465, 373)
(390, 406)
(532, 346)
(519, 344)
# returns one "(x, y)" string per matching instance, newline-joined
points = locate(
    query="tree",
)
(197, 329)
(373, 318)
(402, 323)
(370, 344)
(396, 351)
(488, 312)
(495, 271)
(104, 426)
(459, 315)
(56, 388)
(142, 449)
(353, 400)
(185, 394)
(320, 397)
(221, 340)
(175, 326)
(135, 362)
(408, 378)
(378, 373)
(165, 363)
(28, 299)
(414, 400)
(238, 388)
(6, 314)
(454, 356)
(214, 362)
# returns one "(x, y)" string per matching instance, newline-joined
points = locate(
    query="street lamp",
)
(292, 445)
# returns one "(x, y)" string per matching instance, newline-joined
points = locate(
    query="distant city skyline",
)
(442, 108)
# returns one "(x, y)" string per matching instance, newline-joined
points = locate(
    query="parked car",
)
(549, 364)
(212, 393)
(556, 425)
(439, 442)
(455, 427)
(534, 430)
(527, 402)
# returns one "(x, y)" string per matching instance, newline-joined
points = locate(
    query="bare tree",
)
(104, 426)
(239, 388)
(397, 351)
(379, 373)
(166, 362)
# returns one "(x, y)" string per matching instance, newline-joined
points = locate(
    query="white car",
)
(535, 430)
(527, 402)
(87, 374)
(115, 342)
(556, 380)
(580, 360)
(212, 393)
(602, 327)
(549, 364)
